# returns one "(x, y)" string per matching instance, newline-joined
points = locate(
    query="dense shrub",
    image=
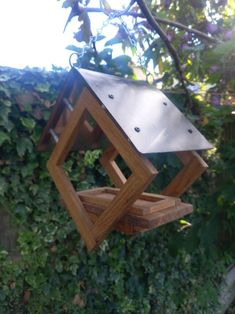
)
(174, 269)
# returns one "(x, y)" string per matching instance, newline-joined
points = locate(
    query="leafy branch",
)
(154, 24)
(78, 10)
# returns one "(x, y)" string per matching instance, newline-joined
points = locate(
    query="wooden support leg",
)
(194, 166)
(108, 162)
(73, 204)
(129, 192)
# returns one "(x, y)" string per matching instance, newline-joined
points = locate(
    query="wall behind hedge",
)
(174, 269)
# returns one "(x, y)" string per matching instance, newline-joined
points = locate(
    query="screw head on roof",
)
(111, 96)
(137, 129)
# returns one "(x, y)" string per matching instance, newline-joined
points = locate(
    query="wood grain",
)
(44, 142)
(145, 204)
(194, 166)
(108, 162)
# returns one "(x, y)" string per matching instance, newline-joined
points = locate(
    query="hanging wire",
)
(134, 43)
(131, 37)
(92, 40)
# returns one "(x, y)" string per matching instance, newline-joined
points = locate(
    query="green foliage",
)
(174, 269)
(205, 56)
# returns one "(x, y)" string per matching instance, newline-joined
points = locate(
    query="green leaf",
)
(4, 137)
(226, 48)
(23, 145)
(4, 118)
(3, 186)
(121, 63)
(28, 123)
(42, 87)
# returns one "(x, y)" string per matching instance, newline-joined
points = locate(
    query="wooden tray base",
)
(148, 212)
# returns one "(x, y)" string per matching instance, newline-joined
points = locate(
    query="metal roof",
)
(147, 117)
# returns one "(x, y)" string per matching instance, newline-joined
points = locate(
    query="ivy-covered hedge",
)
(173, 269)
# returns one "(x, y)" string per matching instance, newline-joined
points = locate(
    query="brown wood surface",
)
(145, 204)
(108, 162)
(146, 222)
(66, 91)
(143, 171)
(63, 184)
(194, 166)
(73, 204)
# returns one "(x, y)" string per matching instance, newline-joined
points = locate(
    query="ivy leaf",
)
(42, 87)
(28, 123)
(4, 137)
(23, 145)
(4, 92)
(3, 186)
(4, 120)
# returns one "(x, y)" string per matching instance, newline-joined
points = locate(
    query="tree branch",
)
(159, 20)
(154, 24)
(189, 30)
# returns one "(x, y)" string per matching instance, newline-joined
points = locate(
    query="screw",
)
(190, 131)
(111, 96)
(165, 104)
(137, 129)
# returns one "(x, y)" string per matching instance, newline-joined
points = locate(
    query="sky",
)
(31, 33)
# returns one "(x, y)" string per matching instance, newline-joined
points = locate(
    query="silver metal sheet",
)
(147, 117)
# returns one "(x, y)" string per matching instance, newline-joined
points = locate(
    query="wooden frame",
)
(142, 172)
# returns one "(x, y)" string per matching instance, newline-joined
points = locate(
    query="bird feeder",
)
(137, 120)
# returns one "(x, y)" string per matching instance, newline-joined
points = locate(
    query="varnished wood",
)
(66, 91)
(143, 171)
(146, 203)
(194, 166)
(73, 204)
(146, 222)
(108, 162)
(137, 162)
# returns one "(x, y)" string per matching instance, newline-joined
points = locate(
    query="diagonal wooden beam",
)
(142, 172)
(194, 166)
(107, 160)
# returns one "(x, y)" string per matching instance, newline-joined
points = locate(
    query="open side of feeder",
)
(137, 120)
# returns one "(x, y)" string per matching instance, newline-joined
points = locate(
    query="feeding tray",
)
(147, 212)
(136, 120)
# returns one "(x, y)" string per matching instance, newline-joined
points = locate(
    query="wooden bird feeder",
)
(137, 120)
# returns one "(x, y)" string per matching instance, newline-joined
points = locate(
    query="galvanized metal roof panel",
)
(147, 117)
